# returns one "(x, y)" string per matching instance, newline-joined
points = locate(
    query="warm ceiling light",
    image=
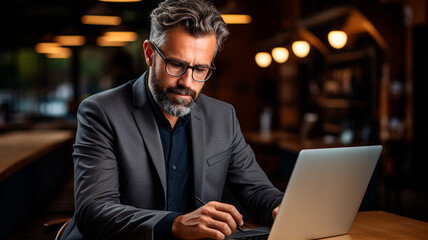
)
(70, 40)
(301, 48)
(53, 50)
(120, 1)
(236, 18)
(62, 53)
(47, 47)
(337, 39)
(103, 41)
(280, 54)
(263, 59)
(101, 20)
(121, 36)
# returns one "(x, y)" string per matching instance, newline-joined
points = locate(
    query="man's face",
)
(177, 95)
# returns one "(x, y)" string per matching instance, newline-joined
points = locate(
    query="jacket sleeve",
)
(247, 180)
(99, 212)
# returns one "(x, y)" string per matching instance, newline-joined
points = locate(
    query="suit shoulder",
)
(208, 104)
(113, 96)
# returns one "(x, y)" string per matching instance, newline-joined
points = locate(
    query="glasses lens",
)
(175, 68)
(201, 73)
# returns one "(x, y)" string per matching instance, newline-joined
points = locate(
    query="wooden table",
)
(18, 149)
(31, 163)
(377, 225)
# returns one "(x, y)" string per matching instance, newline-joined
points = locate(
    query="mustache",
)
(182, 90)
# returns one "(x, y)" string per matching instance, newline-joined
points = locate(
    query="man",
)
(147, 151)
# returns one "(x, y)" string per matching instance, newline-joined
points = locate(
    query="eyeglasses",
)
(177, 68)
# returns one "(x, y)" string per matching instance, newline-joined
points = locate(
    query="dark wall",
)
(420, 99)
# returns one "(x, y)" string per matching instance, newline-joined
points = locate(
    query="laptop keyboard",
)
(255, 237)
(253, 234)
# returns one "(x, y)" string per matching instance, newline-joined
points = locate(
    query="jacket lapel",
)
(199, 165)
(147, 126)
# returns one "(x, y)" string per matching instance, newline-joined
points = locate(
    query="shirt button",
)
(174, 167)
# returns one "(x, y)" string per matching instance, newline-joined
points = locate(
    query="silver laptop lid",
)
(324, 192)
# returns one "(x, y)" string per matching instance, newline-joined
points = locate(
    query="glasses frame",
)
(187, 65)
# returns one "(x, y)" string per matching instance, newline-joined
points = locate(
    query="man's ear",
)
(148, 52)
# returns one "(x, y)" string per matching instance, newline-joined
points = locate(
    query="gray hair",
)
(198, 17)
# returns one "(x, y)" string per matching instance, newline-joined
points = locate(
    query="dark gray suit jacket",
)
(120, 178)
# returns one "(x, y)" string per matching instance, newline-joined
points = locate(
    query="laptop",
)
(323, 195)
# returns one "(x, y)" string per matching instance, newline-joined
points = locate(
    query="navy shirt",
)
(178, 164)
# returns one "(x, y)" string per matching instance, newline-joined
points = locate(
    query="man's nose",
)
(186, 79)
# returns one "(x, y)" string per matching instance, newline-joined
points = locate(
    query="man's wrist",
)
(163, 229)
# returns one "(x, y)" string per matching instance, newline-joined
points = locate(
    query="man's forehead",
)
(180, 44)
(173, 36)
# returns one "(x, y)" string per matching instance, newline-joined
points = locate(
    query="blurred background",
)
(300, 74)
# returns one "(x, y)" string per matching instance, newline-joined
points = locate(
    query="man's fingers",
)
(221, 226)
(230, 210)
(211, 233)
(214, 220)
(225, 218)
(191, 227)
(275, 212)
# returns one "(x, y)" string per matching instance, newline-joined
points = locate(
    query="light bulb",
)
(280, 54)
(263, 59)
(337, 39)
(301, 48)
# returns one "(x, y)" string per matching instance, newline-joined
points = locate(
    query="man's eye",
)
(176, 64)
(201, 69)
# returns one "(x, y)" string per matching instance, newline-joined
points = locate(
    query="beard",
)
(177, 107)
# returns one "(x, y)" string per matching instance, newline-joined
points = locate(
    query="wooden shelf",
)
(331, 128)
(338, 103)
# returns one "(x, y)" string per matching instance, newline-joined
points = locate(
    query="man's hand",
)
(214, 220)
(275, 212)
